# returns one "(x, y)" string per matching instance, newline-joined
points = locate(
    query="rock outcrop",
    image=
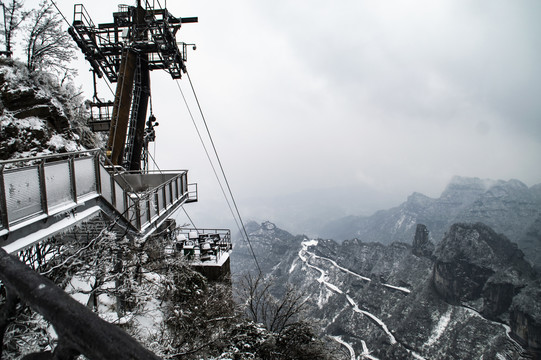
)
(38, 116)
(483, 270)
(422, 246)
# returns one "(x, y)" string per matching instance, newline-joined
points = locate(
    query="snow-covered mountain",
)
(474, 296)
(509, 207)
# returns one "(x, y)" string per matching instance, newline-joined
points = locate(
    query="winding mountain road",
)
(304, 255)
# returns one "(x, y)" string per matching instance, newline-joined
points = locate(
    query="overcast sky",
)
(397, 96)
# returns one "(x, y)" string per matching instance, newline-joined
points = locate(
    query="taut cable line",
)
(241, 227)
(223, 172)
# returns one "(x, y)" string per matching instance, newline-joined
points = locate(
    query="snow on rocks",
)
(348, 346)
(323, 279)
(440, 327)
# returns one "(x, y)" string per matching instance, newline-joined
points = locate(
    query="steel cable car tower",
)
(141, 38)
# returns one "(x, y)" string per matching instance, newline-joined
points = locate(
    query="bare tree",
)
(47, 45)
(13, 17)
(261, 306)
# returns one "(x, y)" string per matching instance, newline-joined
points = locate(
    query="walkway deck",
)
(48, 195)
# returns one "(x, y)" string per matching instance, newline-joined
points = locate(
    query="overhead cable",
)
(223, 172)
(243, 231)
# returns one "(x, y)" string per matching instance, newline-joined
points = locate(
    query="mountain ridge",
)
(510, 207)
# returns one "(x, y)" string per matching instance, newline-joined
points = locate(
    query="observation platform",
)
(207, 250)
(44, 196)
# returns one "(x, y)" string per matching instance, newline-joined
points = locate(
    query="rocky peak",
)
(463, 190)
(477, 244)
(418, 201)
(422, 246)
(476, 266)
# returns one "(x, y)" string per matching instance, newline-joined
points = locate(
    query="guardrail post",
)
(97, 172)
(138, 224)
(4, 219)
(43, 187)
(71, 163)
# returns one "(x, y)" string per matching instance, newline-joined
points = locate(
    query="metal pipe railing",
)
(85, 173)
(80, 331)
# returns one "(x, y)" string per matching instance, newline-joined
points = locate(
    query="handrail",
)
(83, 15)
(40, 191)
(51, 156)
(80, 331)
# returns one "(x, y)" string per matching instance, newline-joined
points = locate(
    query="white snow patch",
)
(440, 327)
(366, 354)
(415, 355)
(60, 142)
(400, 221)
(79, 288)
(308, 243)
(403, 289)
(32, 123)
(293, 266)
(339, 340)
(149, 319)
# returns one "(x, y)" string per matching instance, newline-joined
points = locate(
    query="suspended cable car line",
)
(243, 231)
(155, 163)
(210, 160)
(60, 12)
(189, 218)
(222, 170)
(109, 86)
(160, 171)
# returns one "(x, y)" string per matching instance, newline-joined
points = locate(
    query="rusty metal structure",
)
(140, 39)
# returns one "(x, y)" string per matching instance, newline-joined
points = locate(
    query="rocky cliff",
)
(477, 267)
(38, 115)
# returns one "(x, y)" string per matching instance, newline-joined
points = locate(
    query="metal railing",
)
(50, 185)
(80, 331)
(81, 15)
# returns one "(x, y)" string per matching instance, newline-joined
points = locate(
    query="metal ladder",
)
(132, 127)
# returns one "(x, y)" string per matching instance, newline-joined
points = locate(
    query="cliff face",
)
(38, 116)
(485, 271)
(422, 246)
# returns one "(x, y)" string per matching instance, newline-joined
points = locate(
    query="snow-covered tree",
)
(48, 46)
(14, 15)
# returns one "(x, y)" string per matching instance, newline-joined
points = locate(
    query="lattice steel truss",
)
(151, 31)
